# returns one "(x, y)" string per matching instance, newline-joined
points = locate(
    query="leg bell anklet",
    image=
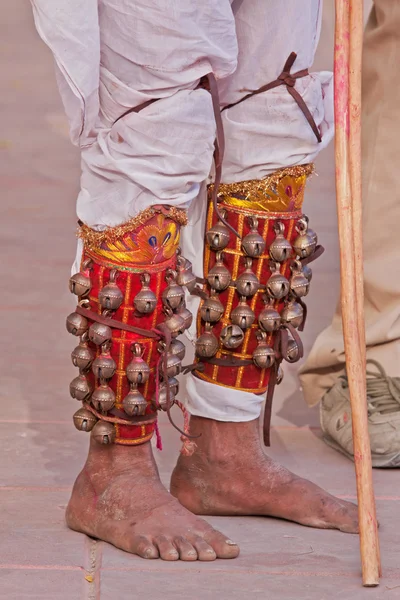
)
(255, 282)
(131, 309)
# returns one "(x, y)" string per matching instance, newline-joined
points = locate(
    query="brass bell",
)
(305, 243)
(185, 276)
(103, 398)
(263, 355)
(247, 284)
(80, 283)
(173, 296)
(173, 385)
(242, 315)
(173, 366)
(232, 336)
(218, 236)
(292, 313)
(186, 315)
(311, 232)
(82, 356)
(299, 284)
(145, 301)
(279, 376)
(207, 344)
(293, 352)
(277, 285)
(84, 420)
(110, 296)
(173, 323)
(134, 404)
(99, 333)
(280, 249)
(178, 348)
(76, 324)
(219, 277)
(104, 433)
(80, 388)
(307, 272)
(161, 402)
(212, 309)
(137, 371)
(269, 319)
(253, 244)
(104, 366)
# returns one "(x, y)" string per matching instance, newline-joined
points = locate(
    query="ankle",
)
(218, 440)
(116, 459)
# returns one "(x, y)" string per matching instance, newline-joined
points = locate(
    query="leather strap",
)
(93, 316)
(289, 80)
(319, 250)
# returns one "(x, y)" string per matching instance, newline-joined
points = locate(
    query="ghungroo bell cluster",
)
(128, 354)
(254, 286)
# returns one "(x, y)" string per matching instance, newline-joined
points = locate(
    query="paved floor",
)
(41, 451)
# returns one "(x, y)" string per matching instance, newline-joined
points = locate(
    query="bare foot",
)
(229, 474)
(119, 498)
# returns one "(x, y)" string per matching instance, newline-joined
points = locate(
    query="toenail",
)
(148, 553)
(230, 543)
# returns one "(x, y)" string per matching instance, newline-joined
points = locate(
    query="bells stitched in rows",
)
(293, 352)
(219, 277)
(82, 356)
(77, 324)
(269, 319)
(104, 432)
(212, 309)
(84, 420)
(99, 333)
(218, 236)
(145, 301)
(299, 284)
(103, 398)
(104, 366)
(305, 243)
(277, 285)
(178, 349)
(292, 313)
(263, 356)
(166, 396)
(110, 296)
(232, 336)
(247, 284)
(134, 403)
(253, 244)
(137, 371)
(80, 283)
(207, 344)
(174, 295)
(280, 249)
(174, 324)
(185, 276)
(80, 388)
(243, 316)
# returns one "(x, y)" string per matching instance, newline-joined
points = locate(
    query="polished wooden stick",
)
(348, 55)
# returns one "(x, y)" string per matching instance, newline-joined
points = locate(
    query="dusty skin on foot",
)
(230, 474)
(119, 498)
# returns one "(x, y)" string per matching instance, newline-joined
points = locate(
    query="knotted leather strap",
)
(289, 80)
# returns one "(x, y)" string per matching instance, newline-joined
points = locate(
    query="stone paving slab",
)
(236, 586)
(42, 584)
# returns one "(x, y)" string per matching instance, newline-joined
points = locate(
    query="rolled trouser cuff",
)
(215, 402)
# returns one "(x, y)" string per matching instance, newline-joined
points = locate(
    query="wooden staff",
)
(348, 54)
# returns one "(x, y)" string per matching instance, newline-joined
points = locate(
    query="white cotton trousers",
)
(112, 55)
